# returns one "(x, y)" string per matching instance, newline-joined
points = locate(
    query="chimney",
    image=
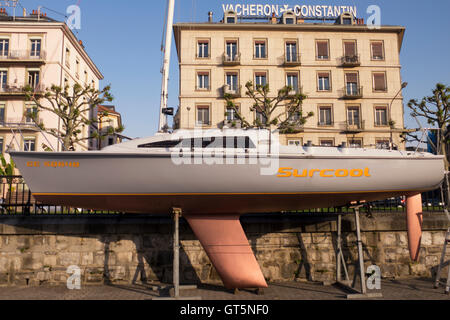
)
(81, 43)
(210, 17)
(24, 12)
(274, 19)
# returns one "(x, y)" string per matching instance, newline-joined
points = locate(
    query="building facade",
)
(349, 72)
(107, 119)
(40, 52)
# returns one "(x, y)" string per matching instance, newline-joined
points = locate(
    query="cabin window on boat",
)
(203, 49)
(203, 80)
(29, 144)
(228, 142)
(203, 116)
(381, 116)
(379, 81)
(382, 143)
(326, 142)
(161, 144)
(325, 116)
(377, 50)
(355, 143)
(323, 81)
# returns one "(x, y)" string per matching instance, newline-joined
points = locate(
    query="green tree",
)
(75, 106)
(290, 119)
(435, 110)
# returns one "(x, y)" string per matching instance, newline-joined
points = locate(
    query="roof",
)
(109, 109)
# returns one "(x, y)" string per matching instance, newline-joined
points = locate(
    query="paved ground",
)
(411, 289)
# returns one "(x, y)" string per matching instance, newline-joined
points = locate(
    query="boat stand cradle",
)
(175, 290)
(341, 264)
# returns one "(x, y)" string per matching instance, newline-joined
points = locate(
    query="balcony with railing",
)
(22, 123)
(231, 60)
(234, 91)
(295, 90)
(351, 61)
(352, 92)
(23, 56)
(352, 126)
(291, 60)
(19, 90)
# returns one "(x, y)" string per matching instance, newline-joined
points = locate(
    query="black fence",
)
(16, 199)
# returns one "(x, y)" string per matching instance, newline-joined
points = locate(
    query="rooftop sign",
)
(320, 11)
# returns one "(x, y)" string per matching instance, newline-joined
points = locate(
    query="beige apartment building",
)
(349, 73)
(38, 51)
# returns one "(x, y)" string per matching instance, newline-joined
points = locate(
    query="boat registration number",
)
(53, 164)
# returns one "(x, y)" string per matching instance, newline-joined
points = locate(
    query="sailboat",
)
(217, 175)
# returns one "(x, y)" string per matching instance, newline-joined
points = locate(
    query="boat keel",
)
(414, 224)
(227, 247)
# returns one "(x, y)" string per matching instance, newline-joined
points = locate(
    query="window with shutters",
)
(323, 81)
(350, 48)
(260, 78)
(325, 116)
(203, 48)
(203, 116)
(377, 50)
(260, 49)
(322, 52)
(379, 82)
(351, 83)
(381, 118)
(203, 80)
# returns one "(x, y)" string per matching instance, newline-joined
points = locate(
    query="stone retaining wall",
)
(37, 250)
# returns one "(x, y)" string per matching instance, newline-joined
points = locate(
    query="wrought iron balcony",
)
(23, 56)
(18, 90)
(350, 61)
(295, 91)
(291, 60)
(352, 92)
(22, 123)
(234, 92)
(352, 126)
(231, 60)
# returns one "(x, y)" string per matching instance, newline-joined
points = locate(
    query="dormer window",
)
(346, 18)
(230, 17)
(288, 17)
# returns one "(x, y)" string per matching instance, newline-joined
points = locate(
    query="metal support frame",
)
(340, 260)
(442, 265)
(175, 290)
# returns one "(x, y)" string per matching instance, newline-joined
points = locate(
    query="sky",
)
(123, 38)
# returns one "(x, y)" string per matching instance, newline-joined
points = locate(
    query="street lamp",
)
(404, 84)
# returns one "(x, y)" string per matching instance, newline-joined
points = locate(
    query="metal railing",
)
(352, 92)
(292, 60)
(349, 61)
(16, 199)
(19, 89)
(20, 55)
(19, 122)
(231, 60)
(235, 92)
(351, 126)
